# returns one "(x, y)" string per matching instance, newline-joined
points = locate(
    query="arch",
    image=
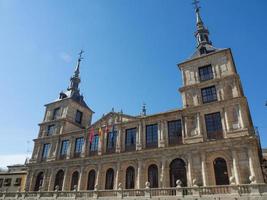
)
(178, 171)
(220, 171)
(39, 181)
(91, 180)
(130, 178)
(74, 180)
(109, 179)
(59, 180)
(153, 176)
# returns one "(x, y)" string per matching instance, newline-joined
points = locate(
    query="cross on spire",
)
(196, 4)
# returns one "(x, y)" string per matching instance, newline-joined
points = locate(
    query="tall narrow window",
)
(78, 117)
(214, 126)
(130, 176)
(153, 176)
(152, 136)
(74, 180)
(91, 180)
(59, 180)
(1, 182)
(51, 129)
(111, 141)
(205, 73)
(130, 139)
(109, 179)
(94, 144)
(175, 132)
(78, 146)
(39, 181)
(209, 94)
(56, 113)
(221, 172)
(64, 148)
(46, 149)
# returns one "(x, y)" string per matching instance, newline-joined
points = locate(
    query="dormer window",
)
(56, 113)
(78, 118)
(205, 73)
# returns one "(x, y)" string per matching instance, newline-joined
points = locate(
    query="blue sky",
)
(131, 51)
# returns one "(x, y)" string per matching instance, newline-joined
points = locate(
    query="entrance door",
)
(178, 172)
(220, 170)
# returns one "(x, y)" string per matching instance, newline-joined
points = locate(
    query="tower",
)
(67, 114)
(216, 108)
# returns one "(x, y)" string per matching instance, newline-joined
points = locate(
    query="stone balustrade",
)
(235, 192)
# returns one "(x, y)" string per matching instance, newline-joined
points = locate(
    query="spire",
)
(75, 79)
(143, 113)
(202, 33)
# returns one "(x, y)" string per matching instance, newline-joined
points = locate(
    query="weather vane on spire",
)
(196, 4)
(80, 55)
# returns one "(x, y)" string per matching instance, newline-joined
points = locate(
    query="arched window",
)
(91, 180)
(109, 179)
(130, 176)
(74, 180)
(177, 172)
(153, 176)
(220, 170)
(59, 180)
(39, 181)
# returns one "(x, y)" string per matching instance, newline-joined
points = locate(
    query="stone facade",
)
(213, 141)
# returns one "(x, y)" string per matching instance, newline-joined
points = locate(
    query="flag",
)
(107, 129)
(91, 135)
(100, 131)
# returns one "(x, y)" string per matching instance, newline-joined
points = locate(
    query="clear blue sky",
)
(131, 51)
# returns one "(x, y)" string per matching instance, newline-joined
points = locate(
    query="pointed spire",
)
(75, 79)
(202, 33)
(143, 113)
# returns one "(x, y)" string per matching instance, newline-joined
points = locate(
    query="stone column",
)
(117, 176)
(190, 169)
(139, 176)
(51, 180)
(163, 173)
(139, 137)
(98, 176)
(118, 140)
(185, 131)
(203, 168)
(65, 180)
(250, 161)
(240, 116)
(254, 165)
(54, 154)
(198, 124)
(79, 186)
(69, 148)
(224, 120)
(161, 142)
(235, 167)
(84, 147)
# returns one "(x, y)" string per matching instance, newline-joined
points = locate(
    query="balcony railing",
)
(231, 191)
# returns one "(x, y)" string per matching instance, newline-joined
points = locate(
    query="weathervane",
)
(196, 4)
(80, 55)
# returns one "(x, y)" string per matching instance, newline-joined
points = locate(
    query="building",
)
(13, 179)
(209, 141)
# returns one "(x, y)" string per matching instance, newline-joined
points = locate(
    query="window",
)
(7, 182)
(39, 181)
(56, 113)
(214, 126)
(111, 142)
(17, 182)
(59, 180)
(64, 148)
(153, 176)
(79, 116)
(205, 73)
(51, 129)
(209, 94)
(1, 182)
(78, 146)
(220, 171)
(109, 179)
(130, 176)
(94, 144)
(74, 181)
(152, 135)
(130, 139)
(46, 149)
(175, 132)
(91, 180)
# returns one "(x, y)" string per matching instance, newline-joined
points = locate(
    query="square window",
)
(209, 94)
(205, 73)
(214, 126)
(175, 132)
(17, 182)
(7, 182)
(56, 113)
